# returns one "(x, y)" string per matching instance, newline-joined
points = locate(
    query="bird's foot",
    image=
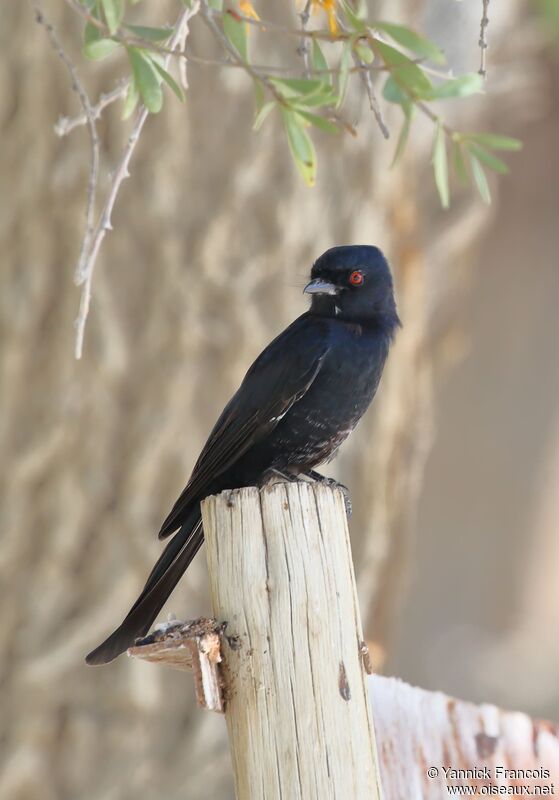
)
(272, 475)
(318, 478)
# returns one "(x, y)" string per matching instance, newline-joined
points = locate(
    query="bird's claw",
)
(318, 478)
(345, 494)
(271, 476)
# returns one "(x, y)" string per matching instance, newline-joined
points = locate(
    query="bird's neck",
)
(383, 319)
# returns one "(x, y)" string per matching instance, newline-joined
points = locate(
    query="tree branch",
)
(371, 94)
(67, 124)
(483, 38)
(85, 274)
(89, 118)
(303, 48)
(207, 16)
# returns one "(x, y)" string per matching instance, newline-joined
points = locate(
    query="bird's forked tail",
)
(161, 581)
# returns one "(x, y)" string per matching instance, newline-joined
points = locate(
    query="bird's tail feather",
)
(160, 583)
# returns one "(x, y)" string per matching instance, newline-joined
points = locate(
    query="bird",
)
(298, 402)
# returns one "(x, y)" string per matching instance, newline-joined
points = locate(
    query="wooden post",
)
(297, 708)
(289, 671)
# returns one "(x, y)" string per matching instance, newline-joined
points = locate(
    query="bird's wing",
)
(279, 377)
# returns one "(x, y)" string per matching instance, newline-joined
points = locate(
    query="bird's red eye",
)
(356, 278)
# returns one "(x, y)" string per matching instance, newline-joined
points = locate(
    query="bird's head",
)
(353, 283)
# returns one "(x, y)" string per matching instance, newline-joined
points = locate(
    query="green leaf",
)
(91, 33)
(318, 60)
(360, 8)
(236, 32)
(169, 80)
(305, 91)
(343, 78)
(393, 93)
(440, 165)
(131, 100)
(318, 122)
(114, 12)
(403, 70)
(458, 162)
(355, 17)
(324, 98)
(480, 180)
(489, 159)
(151, 34)
(495, 141)
(403, 137)
(100, 48)
(147, 79)
(259, 95)
(301, 146)
(549, 12)
(300, 86)
(262, 114)
(217, 5)
(465, 85)
(412, 41)
(365, 53)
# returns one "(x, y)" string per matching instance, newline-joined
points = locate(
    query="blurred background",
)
(455, 494)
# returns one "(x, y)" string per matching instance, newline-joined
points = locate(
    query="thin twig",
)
(120, 174)
(89, 120)
(84, 12)
(483, 38)
(276, 69)
(104, 224)
(207, 16)
(136, 41)
(170, 50)
(303, 48)
(424, 108)
(367, 80)
(371, 94)
(67, 124)
(257, 71)
(420, 104)
(183, 74)
(264, 25)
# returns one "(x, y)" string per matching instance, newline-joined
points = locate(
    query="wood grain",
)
(281, 575)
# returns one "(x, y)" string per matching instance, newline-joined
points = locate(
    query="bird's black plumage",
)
(300, 399)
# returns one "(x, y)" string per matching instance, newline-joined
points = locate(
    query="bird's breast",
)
(321, 420)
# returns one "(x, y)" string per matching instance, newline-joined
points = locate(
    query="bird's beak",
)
(318, 286)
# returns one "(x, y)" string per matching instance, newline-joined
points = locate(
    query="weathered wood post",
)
(297, 707)
(292, 677)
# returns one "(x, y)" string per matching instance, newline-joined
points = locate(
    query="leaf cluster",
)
(315, 98)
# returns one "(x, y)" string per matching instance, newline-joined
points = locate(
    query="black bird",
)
(300, 399)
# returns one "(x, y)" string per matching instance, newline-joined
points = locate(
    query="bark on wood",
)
(281, 575)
